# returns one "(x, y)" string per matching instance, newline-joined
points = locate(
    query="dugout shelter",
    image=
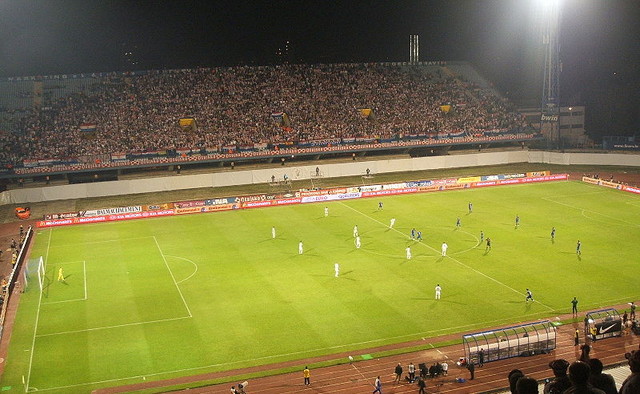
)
(606, 322)
(521, 340)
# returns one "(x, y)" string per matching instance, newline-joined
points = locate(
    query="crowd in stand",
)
(584, 376)
(233, 106)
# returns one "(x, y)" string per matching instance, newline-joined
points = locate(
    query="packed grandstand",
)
(112, 117)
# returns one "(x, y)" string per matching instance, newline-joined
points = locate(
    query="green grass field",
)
(161, 298)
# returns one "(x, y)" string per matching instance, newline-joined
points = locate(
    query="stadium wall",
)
(232, 178)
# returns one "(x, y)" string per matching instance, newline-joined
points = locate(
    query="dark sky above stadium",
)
(599, 38)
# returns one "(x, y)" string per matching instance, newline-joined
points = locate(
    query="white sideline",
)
(35, 325)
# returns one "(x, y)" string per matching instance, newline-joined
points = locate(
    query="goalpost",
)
(34, 270)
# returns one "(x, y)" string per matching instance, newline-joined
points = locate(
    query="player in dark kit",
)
(488, 244)
(553, 232)
(529, 296)
(578, 248)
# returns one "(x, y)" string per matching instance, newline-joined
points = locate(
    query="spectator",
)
(631, 384)
(561, 381)
(584, 353)
(602, 381)
(513, 378)
(579, 372)
(527, 385)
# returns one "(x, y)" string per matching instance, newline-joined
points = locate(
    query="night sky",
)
(600, 41)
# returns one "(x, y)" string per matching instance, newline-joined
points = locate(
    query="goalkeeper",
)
(60, 275)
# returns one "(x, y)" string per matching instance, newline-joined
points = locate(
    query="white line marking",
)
(114, 326)
(35, 328)
(60, 302)
(457, 261)
(102, 241)
(84, 268)
(193, 273)
(172, 277)
(590, 211)
(363, 377)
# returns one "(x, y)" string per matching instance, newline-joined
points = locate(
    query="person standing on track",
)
(307, 376)
(398, 373)
(422, 385)
(412, 372)
(378, 386)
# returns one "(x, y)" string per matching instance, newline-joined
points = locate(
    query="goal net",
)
(34, 273)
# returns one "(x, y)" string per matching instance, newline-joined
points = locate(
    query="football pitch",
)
(168, 297)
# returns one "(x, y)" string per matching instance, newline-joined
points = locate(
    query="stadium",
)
(214, 227)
